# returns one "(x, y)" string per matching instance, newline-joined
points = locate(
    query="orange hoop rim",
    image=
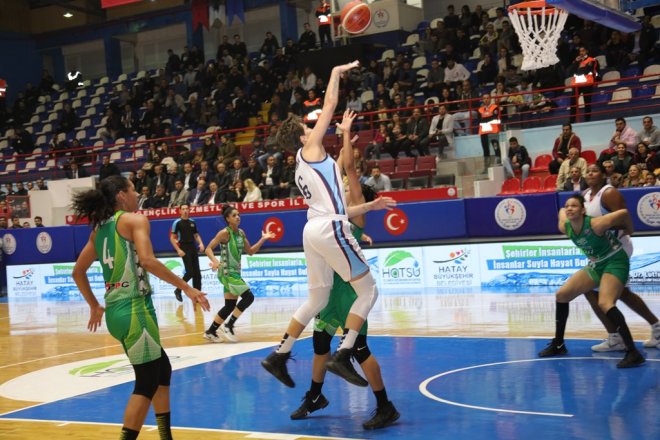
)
(537, 7)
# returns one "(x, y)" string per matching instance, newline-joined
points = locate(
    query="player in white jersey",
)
(600, 199)
(327, 240)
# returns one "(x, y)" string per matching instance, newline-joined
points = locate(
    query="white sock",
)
(286, 345)
(349, 339)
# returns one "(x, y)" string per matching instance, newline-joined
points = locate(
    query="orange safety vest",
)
(490, 119)
(312, 109)
(323, 15)
(585, 74)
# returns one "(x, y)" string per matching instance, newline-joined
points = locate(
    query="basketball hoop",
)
(539, 27)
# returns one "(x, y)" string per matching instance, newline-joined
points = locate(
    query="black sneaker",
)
(341, 365)
(554, 348)
(275, 364)
(633, 358)
(309, 405)
(383, 417)
(177, 293)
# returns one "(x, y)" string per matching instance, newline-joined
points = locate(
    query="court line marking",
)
(423, 387)
(253, 434)
(112, 346)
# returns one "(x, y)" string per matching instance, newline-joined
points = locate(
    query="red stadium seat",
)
(541, 163)
(405, 164)
(510, 186)
(550, 183)
(532, 184)
(386, 166)
(589, 156)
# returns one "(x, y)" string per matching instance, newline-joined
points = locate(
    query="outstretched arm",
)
(313, 149)
(253, 249)
(382, 202)
(619, 219)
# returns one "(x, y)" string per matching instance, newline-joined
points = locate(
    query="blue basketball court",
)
(444, 388)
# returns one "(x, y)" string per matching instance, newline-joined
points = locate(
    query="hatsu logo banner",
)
(209, 210)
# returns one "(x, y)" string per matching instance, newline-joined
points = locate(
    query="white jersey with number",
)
(321, 185)
(595, 208)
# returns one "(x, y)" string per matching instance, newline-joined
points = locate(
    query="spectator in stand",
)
(564, 142)
(3, 223)
(576, 182)
(15, 222)
(435, 80)
(324, 20)
(288, 179)
(616, 180)
(236, 171)
(231, 119)
(374, 148)
(646, 159)
(68, 119)
(38, 222)
(26, 225)
(113, 127)
(486, 69)
(22, 141)
(198, 195)
(650, 180)
(500, 19)
(278, 106)
(216, 195)
(253, 193)
(585, 70)
(455, 72)
(47, 82)
(647, 41)
(239, 49)
(573, 160)
(108, 169)
(624, 134)
(307, 39)
(467, 108)
(272, 148)
(144, 200)
(270, 45)
(396, 136)
(160, 199)
(353, 102)
(74, 172)
(623, 159)
(608, 166)
(406, 77)
(441, 131)
(253, 171)
(235, 192)
(41, 185)
(618, 52)
(228, 150)
(225, 45)
(378, 181)
(173, 64)
(417, 134)
(452, 21)
(517, 159)
(488, 43)
(649, 135)
(221, 177)
(209, 150)
(179, 196)
(20, 190)
(635, 177)
(188, 177)
(270, 179)
(160, 178)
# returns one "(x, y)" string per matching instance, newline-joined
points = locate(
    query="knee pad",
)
(165, 369)
(146, 378)
(361, 350)
(226, 310)
(247, 298)
(367, 293)
(321, 342)
(317, 300)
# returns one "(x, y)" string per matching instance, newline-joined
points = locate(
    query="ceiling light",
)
(68, 15)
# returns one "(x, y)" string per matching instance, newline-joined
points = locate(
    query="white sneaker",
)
(654, 342)
(228, 333)
(614, 342)
(212, 337)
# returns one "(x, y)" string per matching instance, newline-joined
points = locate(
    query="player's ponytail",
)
(99, 204)
(288, 135)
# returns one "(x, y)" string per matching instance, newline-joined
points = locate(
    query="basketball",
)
(355, 17)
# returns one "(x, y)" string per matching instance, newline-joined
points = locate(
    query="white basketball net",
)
(538, 34)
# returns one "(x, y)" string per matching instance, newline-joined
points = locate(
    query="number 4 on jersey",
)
(107, 259)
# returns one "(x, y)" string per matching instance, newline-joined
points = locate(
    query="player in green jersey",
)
(608, 269)
(233, 243)
(334, 315)
(120, 241)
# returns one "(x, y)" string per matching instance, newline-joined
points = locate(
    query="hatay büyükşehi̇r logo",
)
(648, 209)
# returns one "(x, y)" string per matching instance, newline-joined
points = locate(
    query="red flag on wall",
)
(112, 3)
(200, 14)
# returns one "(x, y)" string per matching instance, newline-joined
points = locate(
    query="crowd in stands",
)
(229, 92)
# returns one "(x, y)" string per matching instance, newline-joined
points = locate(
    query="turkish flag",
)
(112, 3)
(200, 14)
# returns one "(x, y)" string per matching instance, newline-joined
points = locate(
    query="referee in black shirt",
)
(183, 236)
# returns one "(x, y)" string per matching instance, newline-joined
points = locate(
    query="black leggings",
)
(191, 263)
